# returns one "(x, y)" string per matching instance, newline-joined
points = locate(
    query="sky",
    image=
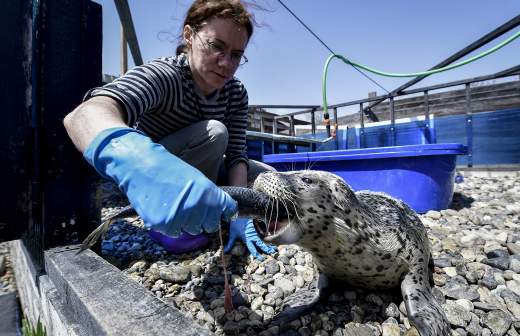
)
(286, 62)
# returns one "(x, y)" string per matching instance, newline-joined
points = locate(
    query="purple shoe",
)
(182, 244)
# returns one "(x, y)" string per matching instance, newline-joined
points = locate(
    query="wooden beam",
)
(123, 52)
(125, 16)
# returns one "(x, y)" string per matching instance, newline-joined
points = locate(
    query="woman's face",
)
(215, 52)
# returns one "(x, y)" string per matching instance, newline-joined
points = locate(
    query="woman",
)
(164, 130)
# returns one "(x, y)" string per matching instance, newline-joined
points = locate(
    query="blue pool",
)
(420, 175)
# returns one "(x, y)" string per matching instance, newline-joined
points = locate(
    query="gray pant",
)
(203, 145)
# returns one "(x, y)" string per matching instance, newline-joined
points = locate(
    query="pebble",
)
(7, 279)
(2, 265)
(476, 250)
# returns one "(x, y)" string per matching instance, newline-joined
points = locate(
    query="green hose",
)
(413, 74)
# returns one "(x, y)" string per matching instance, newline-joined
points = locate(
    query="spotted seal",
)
(365, 239)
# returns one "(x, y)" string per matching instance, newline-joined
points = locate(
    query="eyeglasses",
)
(218, 49)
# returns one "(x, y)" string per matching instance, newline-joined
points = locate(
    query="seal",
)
(365, 239)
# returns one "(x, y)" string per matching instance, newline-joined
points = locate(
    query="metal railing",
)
(426, 91)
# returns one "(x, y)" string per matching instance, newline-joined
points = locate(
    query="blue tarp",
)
(495, 137)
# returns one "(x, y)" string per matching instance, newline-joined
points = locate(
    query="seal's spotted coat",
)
(365, 239)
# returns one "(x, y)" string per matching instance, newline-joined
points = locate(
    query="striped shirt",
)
(160, 98)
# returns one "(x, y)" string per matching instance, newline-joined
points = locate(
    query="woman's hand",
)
(243, 229)
(170, 195)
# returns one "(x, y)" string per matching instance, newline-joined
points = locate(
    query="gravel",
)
(7, 280)
(476, 250)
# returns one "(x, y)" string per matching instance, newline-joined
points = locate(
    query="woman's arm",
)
(237, 175)
(92, 117)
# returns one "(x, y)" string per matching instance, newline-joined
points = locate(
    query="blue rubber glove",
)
(170, 195)
(244, 229)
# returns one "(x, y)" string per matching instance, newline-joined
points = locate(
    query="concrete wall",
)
(85, 295)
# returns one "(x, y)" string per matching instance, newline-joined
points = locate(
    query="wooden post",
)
(469, 125)
(124, 52)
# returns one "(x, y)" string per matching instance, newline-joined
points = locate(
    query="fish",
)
(251, 203)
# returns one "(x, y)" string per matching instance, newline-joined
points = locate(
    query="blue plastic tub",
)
(420, 175)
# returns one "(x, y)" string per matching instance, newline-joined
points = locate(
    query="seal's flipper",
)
(423, 310)
(302, 301)
(297, 305)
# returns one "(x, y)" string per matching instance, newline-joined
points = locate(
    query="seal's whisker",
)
(290, 195)
(269, 209)
(299, 222)
(311, 165)
(274, 204)
(287, 210)
(296, 211)
(266, 223)
(276, 218)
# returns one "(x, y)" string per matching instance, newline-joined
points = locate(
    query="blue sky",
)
(285, 61)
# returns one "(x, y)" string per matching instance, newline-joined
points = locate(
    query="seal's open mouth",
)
(278, 222)
(272, 215)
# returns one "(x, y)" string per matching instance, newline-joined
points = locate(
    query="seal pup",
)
(366, 239)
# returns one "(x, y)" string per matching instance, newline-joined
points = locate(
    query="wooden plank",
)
(126, 20)
(103, 301)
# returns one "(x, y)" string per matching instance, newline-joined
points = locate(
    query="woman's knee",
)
(218, 135)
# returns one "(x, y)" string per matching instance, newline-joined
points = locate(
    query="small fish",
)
(251, 203)
(228, 298)
(94, 236)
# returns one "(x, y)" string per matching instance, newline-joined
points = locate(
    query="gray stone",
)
(288, 252)
(357, 313)
(3, 265)
(466, 304)
(390, 329)
(474, 328)
(462, 293)
(514, 286)
(484, 306)
(486, 332)
(500, 253)
(438, 295)
(442, 262)
(353, 329)
(275, 293)
(457, 315)
(501, 263)
(461, 332)
(514, 265)
(285, 284)
(498, 321)
(392, 310)
(230, 327)
(489, 282)
(138, 266)
(151, 275)
(305, 331)
(513, 307)
(439, 279)
(175, 274)
(507, 293)
(513, 248)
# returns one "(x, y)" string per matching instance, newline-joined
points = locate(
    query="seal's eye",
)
(307, 180)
